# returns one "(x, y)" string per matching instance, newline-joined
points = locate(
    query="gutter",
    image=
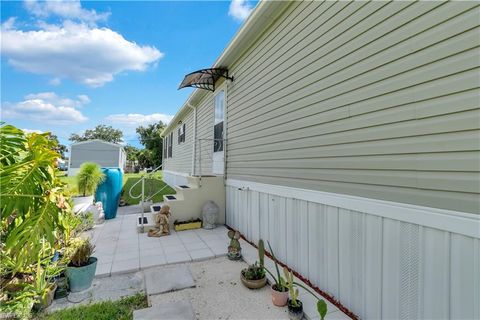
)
(259, 20)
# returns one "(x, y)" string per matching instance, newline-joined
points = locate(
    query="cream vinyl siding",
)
(181, 160)
(373, 99)
(204, 149)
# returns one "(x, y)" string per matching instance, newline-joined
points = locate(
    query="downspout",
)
(194, 147)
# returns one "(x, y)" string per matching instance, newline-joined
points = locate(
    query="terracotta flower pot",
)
(295, 312)
(279, 298)
(252, 284)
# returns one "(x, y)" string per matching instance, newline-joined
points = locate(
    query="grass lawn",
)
(129, 179)
(121, 309)
(151, 186)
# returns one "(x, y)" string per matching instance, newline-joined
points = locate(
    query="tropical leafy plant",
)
(33, 200)
(88, 178)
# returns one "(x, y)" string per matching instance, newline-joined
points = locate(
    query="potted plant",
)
(88, 178)
(279, 289)
(187, 225)
(56, 274)
(254, 276)
(43, 289)
(295, 306)
(82, 266)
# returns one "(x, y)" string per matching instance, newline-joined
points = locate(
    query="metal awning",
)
(204, 78)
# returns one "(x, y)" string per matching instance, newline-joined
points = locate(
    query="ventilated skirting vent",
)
(171, 197)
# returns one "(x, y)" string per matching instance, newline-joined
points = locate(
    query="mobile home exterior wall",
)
(179, 166)
(103, 153)
(353, 145)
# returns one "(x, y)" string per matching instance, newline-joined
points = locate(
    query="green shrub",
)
(79, 251)
(32, 196)
(88, 178)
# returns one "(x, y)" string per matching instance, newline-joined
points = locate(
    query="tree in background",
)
(150, 138)
(60, 148)
(102, 132)
(132, 157)
(146, 158)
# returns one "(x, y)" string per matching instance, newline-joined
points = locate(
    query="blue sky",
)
(68, 66)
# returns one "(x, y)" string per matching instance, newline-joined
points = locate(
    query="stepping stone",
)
(165, 279)
(179, 310)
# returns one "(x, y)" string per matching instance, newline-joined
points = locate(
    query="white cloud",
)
(68, 9)
(55, 82)
(53, 98)
(32, 131)
(46, 107)
(89, 55)
(239, 9)
(134, 120)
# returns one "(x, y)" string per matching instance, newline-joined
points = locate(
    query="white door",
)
(218, 133)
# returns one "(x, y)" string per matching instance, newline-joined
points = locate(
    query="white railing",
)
(209, 155)
(142, 194)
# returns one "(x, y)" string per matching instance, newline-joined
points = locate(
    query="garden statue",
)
(99, 214)
(209, 214)
(234, 249)
(161, 223)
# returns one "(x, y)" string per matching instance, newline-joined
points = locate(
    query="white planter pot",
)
(81, 204)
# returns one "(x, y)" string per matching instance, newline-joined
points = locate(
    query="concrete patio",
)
(121, 249)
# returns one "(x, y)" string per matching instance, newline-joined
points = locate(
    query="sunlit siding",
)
(373, 99)
(204, 149)
(181, 160)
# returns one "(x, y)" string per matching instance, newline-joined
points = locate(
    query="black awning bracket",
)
(205, 78)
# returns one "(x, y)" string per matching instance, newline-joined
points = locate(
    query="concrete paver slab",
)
(165, 279)
(178, 310)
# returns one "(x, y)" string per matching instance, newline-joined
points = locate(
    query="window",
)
(181, 133)
(165, 143)
(218, 122)
(170, 145)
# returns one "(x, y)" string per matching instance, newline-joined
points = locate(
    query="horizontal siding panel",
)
(299, 80)
(457, 201)
(462, 62)
(341, 119)
(453, 181)
(442, 161)
(463, 121)
(447, 142)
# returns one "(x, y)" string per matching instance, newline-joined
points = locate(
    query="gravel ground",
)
(219, 293)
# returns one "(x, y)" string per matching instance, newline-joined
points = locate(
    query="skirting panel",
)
(174, 178)
(377, 266)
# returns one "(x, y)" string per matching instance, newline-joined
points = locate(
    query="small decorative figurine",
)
(209, 214)
(234, 249)
(161, 223)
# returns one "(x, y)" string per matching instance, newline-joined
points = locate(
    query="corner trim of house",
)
(467, 224)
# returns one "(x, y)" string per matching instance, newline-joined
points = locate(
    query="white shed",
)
(104, 153)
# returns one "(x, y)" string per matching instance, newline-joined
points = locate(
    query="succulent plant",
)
(254, 272)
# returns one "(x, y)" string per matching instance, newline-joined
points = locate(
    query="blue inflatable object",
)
(109, 191)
